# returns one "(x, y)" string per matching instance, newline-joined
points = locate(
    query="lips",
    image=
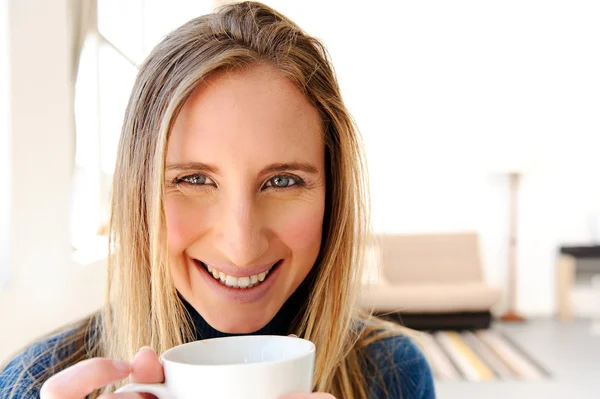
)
(240, 282)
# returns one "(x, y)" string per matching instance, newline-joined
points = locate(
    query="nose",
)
(241, 236)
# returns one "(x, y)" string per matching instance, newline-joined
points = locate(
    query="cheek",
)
(183, 222)
(302, 233)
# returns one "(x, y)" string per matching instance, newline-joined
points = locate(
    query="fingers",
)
(146, 367)
(127, 395)
(83, 378)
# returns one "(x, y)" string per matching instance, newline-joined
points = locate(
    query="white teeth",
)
(243, 282)
(237, 282)
(231, 281)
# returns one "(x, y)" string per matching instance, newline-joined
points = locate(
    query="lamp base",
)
(512, 317)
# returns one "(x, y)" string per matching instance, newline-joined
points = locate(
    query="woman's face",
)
(245, 196)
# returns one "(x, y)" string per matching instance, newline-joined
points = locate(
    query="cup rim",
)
(309, 352)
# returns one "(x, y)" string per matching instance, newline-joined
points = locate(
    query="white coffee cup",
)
(244, 367)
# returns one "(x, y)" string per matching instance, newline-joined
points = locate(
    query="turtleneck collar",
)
(283, 323)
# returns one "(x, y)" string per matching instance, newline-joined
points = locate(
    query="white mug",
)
(244, 367)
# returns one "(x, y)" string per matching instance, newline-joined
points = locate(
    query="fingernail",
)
(122, 366)
(146, 347)
(293, 336)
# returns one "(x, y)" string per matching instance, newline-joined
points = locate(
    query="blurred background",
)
(477, 116)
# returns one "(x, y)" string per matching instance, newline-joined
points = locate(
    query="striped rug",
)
(485, 355)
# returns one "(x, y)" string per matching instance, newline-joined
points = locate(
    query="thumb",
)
(146, 367)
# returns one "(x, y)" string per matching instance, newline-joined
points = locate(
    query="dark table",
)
(566, 266)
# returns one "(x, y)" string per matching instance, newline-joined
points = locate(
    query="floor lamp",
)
(512, 314)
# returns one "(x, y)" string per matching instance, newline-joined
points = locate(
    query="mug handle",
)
(158, 390)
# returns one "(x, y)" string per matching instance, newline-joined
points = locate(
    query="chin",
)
(234, 310)
(237, 326)
(239, 321)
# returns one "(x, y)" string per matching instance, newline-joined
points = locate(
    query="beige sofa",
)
(435, 279)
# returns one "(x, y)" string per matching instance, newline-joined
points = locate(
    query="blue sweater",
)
(394, 365)
(397, 362)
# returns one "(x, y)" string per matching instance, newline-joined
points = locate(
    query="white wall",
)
(45, 288)
(444, 92)
(4, 147)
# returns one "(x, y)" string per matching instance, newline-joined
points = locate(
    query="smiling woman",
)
(257, 203)
(239, 207)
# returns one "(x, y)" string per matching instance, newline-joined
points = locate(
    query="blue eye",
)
(276, 182)
(283, 181)
(194, 180)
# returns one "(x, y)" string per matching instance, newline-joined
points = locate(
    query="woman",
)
(239, 207)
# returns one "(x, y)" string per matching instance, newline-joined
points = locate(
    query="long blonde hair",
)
(142, 306)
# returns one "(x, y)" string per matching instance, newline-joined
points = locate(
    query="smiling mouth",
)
(237, 282)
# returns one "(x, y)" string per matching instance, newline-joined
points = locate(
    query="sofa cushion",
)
(429, 258)
(424, 298)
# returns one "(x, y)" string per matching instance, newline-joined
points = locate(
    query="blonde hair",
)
(143, 307)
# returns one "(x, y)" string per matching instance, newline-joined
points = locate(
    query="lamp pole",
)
(511, 314)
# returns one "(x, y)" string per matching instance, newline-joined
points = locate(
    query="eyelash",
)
(299, 182)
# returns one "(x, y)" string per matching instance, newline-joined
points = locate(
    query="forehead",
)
(255, 114)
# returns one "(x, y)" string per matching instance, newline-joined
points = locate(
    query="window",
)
(126, 32)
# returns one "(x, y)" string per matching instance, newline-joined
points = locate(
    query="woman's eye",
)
(283, 181)
(194, 180)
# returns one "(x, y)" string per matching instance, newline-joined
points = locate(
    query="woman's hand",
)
(81, 379)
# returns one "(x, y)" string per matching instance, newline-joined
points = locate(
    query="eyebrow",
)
(276, 167)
